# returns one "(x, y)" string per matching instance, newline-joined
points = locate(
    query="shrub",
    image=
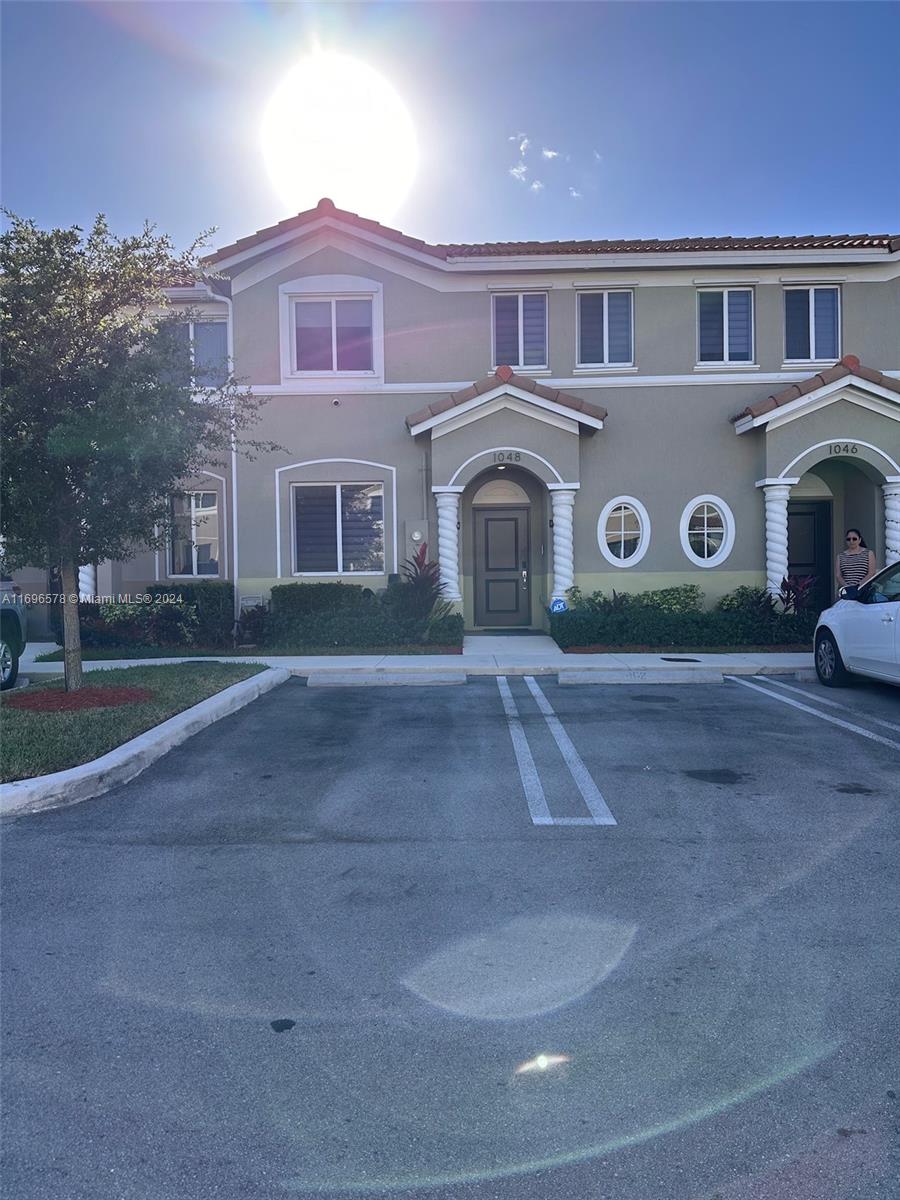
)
(445, 629)
(301, 599)
(747, 599)
(252, 624)
(163, 624)
(419, 592)
(369, 626)
(213, 600)
(683, 599)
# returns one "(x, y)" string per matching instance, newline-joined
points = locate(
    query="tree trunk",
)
(71, 627)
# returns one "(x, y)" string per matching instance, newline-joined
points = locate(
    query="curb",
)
(700, 674)
(92, 779)
(377, 678)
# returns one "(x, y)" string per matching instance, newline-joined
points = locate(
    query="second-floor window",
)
(207, 343)
(520, 329)
(725, 325)
(811, 324)
(333, 334)
(194, 548)
(604, 329)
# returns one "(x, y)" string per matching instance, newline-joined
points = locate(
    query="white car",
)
(861, 633)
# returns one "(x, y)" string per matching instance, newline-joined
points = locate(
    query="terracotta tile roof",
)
(325, 207)
(491, 382)
(849, 365)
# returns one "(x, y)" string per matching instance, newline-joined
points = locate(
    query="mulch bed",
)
(56, 700)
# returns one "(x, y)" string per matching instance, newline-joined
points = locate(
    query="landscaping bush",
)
(163, 624)
(302, 599)
(747, 617)
(363, 626)
(445, 629)
(213, 600)
(686, 598)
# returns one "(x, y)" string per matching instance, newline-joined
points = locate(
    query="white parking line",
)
(531, 781)
(831, 703)
(875, 737)
(597, 806)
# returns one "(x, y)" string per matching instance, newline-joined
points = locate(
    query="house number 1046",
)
(843, 448)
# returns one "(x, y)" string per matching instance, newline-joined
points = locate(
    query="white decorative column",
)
(448, 540)
(87, 582)
(776, 534)
(891, 521)
(563, 503)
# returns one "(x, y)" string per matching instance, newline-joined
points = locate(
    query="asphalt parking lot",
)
(503, 940)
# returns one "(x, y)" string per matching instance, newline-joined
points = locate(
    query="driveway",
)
(508, 940)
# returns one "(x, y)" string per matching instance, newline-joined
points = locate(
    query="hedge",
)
(163, 624)
(370, 626)
(213, 600)
(303, 599)
(639, 625)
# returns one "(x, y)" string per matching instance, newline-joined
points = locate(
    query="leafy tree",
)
(101, 424)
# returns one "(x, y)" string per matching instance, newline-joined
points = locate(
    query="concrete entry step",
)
(385, 678)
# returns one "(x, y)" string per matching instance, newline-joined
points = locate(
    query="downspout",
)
(234, 481)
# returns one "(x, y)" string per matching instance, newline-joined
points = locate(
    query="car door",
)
(870, 642)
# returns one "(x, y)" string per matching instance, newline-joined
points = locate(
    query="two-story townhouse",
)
(628, 414)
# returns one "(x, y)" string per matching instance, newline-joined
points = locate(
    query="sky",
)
(536, 120)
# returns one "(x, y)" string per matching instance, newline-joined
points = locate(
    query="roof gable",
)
(503, 382)
(829, 384)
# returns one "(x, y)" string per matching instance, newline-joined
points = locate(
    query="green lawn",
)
(37, 743)
(129, 652)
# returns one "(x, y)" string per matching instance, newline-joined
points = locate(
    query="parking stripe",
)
(875, 737)
(531, 781)
(832, 703)
(597, 806)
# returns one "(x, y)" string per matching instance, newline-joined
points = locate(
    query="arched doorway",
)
(504, 549)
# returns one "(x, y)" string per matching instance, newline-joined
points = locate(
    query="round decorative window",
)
(707, 531)
(623, 531)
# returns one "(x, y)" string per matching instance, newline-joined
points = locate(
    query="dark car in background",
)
(13, 633)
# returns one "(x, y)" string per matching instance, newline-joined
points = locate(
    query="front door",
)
(809, 545)
(502, 567)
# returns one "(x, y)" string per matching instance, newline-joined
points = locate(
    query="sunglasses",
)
(851, 539)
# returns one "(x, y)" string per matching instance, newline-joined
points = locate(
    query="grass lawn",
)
(39, 742)
(108, 654)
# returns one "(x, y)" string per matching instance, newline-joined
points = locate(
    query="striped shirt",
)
(854, 566)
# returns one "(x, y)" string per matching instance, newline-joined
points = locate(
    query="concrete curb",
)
(130, 759)
(687, 674)
(383, 678)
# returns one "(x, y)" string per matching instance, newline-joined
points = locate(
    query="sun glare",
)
(335, 127)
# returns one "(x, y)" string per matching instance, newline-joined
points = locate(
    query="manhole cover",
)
(666, 658)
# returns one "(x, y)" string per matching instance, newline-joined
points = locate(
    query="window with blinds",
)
(811, 324)
(520, 330)
(339, 528)
(725, 325)
(333, 335)
(605, 335)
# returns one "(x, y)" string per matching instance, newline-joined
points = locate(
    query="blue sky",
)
(665, 119)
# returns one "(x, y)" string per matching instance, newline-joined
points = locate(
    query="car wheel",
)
(9, 665)
(829, 664)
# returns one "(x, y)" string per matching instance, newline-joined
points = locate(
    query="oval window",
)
(623, 531)
(707, 531)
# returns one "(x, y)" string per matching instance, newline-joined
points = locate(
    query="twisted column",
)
(891, 522)
(563, 502)
(87, 582)
(776, 535)
(448, 542)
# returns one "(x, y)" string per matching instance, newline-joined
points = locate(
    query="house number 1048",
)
(506, 456)
(843, 448)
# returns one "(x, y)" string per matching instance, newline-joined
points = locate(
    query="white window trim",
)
(727, 520)
(643, 542)
(606, 364)
(811, 361)
(520, 365)
(220, 513)
(329, 287)
(705, 364)
(340, 533)
(204, 319)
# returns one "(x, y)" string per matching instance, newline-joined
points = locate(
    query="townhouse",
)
(606, 414)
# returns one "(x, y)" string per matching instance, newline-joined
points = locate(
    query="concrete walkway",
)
(486, 655)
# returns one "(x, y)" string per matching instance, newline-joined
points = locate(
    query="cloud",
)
(598, 157)
(574, 193)
(537, 186)
(519, 171)
(550, 153)
(524, 144)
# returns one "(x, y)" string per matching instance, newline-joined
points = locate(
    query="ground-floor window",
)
(194, 548)
(707, 531)
(339, 528)
(623, 531)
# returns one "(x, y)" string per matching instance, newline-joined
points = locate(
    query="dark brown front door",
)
(809, 544)
(502, 567)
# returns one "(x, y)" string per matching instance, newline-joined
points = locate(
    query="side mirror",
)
(850, 592)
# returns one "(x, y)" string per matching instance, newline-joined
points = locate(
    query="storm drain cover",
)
(669, 659)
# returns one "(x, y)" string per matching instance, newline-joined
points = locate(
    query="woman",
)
(854, 564)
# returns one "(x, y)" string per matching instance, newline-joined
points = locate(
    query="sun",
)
(335, 127)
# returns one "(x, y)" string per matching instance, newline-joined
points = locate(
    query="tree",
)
(101, 421)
